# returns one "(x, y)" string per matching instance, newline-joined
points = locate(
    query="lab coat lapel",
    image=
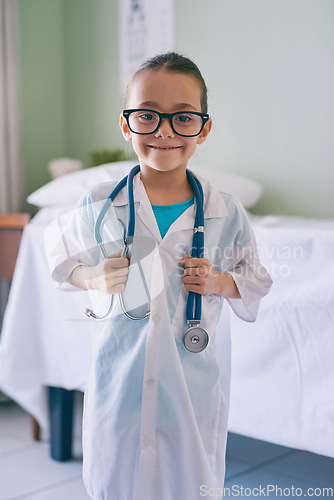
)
(145, 211)
(214, 207)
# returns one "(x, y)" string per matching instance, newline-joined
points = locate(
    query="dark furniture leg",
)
(36, 430)
(61, 423)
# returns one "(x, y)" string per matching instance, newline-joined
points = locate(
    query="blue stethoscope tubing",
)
(195, 338)
(126, 181)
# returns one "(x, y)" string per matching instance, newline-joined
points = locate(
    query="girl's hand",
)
(109, 276)
(201, 277)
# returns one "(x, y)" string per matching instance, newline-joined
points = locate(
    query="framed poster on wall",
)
(146, 29)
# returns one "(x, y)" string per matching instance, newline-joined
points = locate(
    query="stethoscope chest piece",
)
(196, 339)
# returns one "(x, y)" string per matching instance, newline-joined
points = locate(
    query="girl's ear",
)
(125, 129)
(205, 132)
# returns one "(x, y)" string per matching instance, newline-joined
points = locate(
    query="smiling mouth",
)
(164, 148)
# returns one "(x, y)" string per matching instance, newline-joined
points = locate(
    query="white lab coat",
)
(155, 415)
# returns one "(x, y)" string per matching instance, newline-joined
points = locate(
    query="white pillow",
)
(68, 189)
(247, 190)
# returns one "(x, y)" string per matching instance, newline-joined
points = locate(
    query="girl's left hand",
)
(200, 276)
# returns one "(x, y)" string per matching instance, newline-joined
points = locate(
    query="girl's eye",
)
(184, 118)
(147, 117)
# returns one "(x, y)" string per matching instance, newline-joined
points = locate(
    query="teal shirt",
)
(167, 214)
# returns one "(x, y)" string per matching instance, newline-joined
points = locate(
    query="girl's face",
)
(166, 92)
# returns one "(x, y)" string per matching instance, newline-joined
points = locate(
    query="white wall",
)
(269, 67)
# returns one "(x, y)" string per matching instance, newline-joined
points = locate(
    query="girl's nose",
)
(165, 130)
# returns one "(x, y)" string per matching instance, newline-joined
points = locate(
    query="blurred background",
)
(269, 69)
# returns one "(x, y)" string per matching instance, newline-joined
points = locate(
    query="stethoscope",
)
(195, 338)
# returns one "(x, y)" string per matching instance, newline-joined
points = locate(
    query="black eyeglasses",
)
(147, 121)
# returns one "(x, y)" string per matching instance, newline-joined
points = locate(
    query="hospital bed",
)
(282, 365)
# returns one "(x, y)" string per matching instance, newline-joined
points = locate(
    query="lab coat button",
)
(146, 442)
(150, 382)
(156, 317)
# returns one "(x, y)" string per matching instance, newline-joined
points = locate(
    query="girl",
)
(155, 416)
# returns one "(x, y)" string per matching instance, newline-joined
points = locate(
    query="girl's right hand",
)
(109, 276)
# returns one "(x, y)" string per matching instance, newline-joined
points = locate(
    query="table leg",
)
(36, 430)
(61, 423)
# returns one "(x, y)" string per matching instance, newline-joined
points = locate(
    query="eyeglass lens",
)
(146, 122)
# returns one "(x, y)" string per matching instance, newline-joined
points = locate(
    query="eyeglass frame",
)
(127, 112)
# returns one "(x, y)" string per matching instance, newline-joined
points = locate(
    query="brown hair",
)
(171, 61)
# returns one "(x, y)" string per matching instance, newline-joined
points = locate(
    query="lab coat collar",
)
(214, 206)
(145, 211)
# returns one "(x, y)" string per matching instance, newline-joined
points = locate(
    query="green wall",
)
(268, 66)
(70, 92)
(43, 91)
(92, 91)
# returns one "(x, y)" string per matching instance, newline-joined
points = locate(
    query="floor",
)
(254, 468)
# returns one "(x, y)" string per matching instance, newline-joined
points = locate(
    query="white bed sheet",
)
(282, 365)
(46, 338)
